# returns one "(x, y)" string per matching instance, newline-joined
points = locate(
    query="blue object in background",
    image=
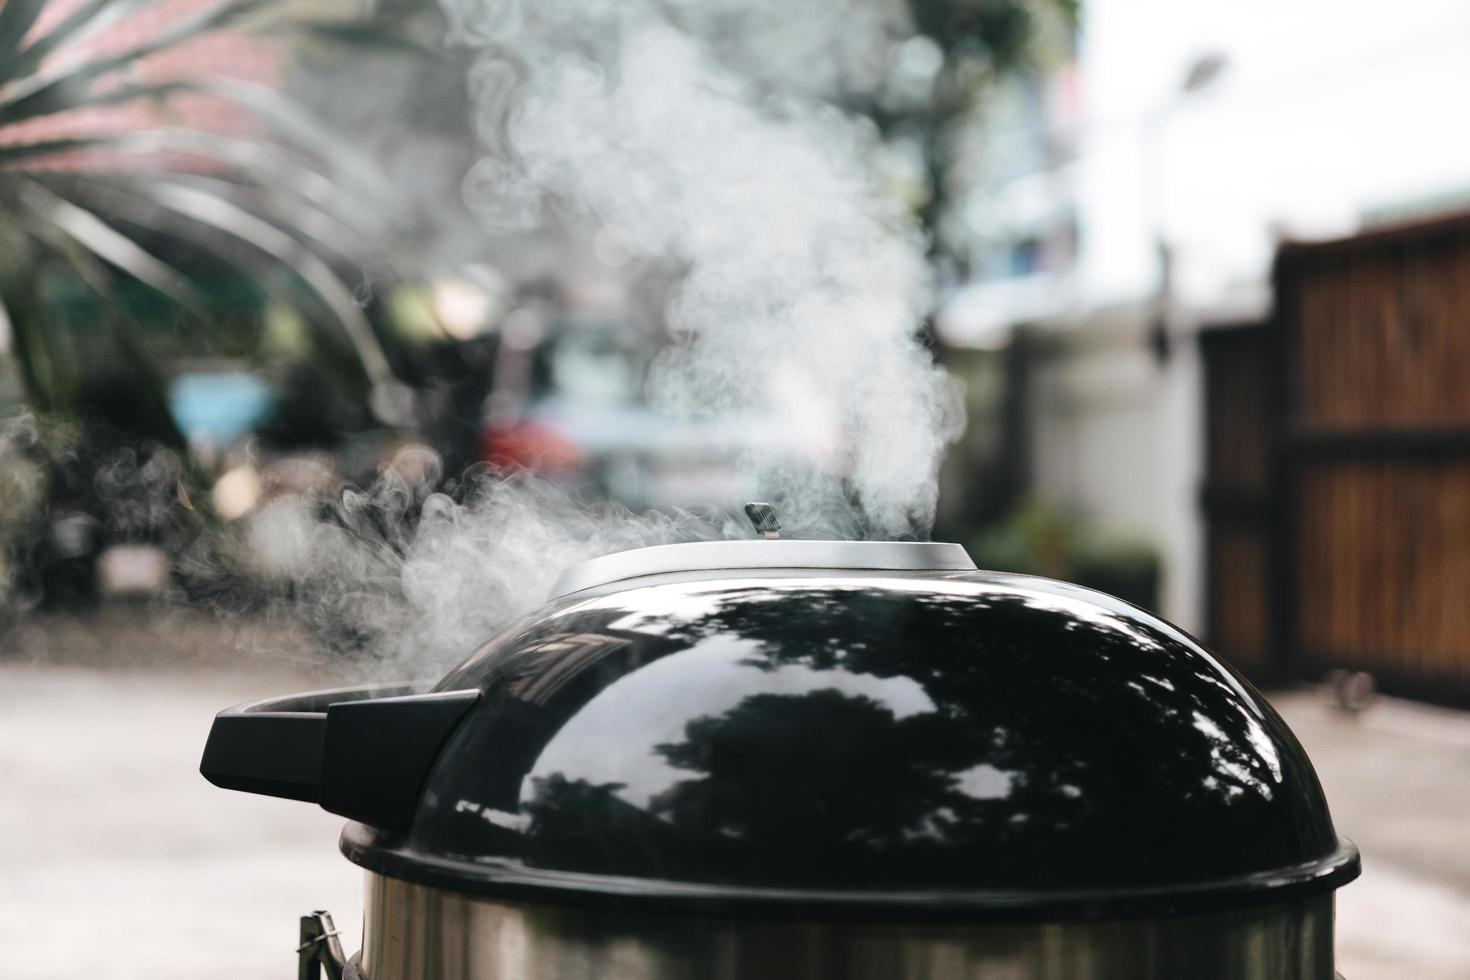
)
(216, 407)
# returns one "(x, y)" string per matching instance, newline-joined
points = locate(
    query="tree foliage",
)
(113, 175)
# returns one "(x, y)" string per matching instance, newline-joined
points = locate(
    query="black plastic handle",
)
(361, 752)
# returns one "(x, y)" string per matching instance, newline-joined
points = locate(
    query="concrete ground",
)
(118, 860)
(1397, 778)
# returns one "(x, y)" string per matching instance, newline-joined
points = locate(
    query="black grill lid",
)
(863, 739)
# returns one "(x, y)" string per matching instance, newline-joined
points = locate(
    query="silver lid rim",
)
(909, 556)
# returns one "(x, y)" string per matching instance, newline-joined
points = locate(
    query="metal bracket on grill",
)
(320, 950)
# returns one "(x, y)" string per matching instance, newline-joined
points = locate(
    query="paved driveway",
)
(117, 859)
(1398, 780)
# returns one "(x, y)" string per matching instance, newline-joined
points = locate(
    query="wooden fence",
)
(1338, 496)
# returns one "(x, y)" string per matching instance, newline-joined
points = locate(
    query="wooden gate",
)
(1337, 492)
(1375, 334)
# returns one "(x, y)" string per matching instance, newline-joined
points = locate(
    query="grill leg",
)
(320, 950)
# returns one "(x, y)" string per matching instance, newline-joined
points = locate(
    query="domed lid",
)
(895, 735)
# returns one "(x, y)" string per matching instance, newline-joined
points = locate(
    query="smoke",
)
(682, 134)
(701, 136)
(411, 579)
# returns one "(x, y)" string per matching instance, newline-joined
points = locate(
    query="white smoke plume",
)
(804, 283)
(410, 579)
(696, 133)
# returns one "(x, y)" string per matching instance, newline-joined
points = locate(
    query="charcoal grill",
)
(799, 760)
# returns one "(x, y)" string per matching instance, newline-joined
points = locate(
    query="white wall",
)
(1115, 435)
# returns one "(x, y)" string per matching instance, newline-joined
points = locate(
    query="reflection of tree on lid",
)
(941, 731)
(787, 773)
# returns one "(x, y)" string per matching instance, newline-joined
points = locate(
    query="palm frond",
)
(85, 21)
(96, 235)
(85, 97)
(17, 18)
(148, 386)
(317, 224)
(285, 207)
(14, 156)
(295, 173)
(45, 375)
(146, 199)
(43, 94)
(300, 156)
(129, 209)
(290, 124)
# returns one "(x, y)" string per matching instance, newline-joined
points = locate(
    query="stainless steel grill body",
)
(414, 932)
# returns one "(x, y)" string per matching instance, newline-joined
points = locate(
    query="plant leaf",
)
(14, 155)
(349, 172)
(86, 20)
(204, 209)
(301, 128)
(146, 380)
(303, 218)
(285, 183)
(46, 379)
(82, 97)
(107, 243)
(43, 94)
(17, 17)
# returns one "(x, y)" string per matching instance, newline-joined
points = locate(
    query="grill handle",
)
(361, 752)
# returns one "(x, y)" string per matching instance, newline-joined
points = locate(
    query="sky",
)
(1324, 111)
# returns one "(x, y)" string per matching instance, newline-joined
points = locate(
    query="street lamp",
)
(1202, 74)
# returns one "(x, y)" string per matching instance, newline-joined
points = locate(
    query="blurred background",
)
(1200, 272)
